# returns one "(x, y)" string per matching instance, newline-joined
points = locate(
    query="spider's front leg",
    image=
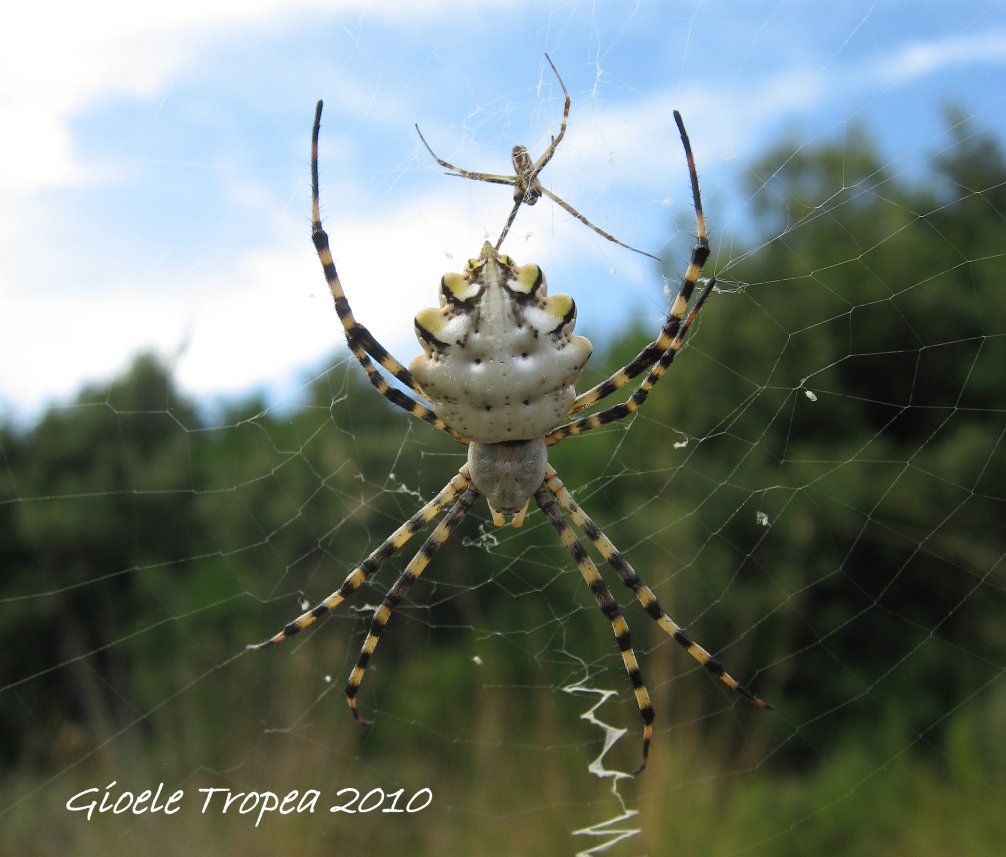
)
(644, 595)
(417, 565)
(388, 548)
(609, 607)
(550, 497)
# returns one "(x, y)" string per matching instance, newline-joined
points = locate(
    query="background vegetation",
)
(833, 525)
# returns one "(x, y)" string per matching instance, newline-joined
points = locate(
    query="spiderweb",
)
(814, 491)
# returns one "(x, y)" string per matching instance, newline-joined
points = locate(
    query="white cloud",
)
(640, 132)
(57, 63)
(920, 59)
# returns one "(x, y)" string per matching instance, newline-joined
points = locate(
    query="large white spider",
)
(498, 372)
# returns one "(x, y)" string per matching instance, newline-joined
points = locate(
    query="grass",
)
(508, 778)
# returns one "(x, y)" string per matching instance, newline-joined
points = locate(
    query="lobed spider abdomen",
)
(500, 361)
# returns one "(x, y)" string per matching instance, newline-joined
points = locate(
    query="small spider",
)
(498, 373)
(527, 190)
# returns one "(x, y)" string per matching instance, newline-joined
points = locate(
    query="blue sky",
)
(154, 185)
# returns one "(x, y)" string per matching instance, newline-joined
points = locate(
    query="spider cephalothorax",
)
(498, 372)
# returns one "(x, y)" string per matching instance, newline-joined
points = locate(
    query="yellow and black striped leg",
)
(635, 401)
(651, 353)
(356, 333)
(361, 341)
(642, 592)
(372, 563)
(609, 607)
(417, 565)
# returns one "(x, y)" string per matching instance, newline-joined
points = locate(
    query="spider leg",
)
(372, 563)
(509, 222)
(565, 206)
(361, 341)
(357, 335)
(643, 593)
(700, 254)
(528, 189)
(464, 174)
(531, 196)
(522, 193)
(609, 607)
(417, 565)
(403, 400)
(524, 170)
(546, 156)
(639, 395)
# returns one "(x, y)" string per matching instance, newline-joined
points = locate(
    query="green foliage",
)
(103, 490)
(883, 487)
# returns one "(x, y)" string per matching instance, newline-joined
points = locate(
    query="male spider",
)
(527, 190)
(498, 373)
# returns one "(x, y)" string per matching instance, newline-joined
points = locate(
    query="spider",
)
(527, 190)
(498, 373)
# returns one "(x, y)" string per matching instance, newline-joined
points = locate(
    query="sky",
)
(154, 185)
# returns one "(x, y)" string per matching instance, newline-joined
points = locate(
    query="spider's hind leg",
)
(642, 392)
(671, 331)
(361, 341)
